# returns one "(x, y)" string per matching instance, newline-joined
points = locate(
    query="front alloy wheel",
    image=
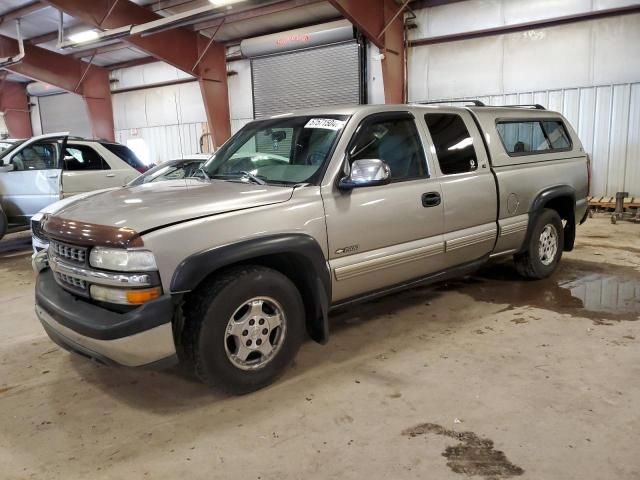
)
(255, 333)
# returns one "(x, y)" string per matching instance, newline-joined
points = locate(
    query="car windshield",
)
(286, 150)
(172, 170)
(6, 148)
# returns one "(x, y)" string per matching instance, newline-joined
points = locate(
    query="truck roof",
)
(353, 109)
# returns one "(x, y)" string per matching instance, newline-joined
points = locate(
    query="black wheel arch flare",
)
(298, 254)
(547, 199)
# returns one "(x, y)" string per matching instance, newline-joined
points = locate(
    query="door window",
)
(82, 158)
(392, 138)
(38, 156)
(453, 143)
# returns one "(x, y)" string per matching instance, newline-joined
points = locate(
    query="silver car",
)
(46, 168)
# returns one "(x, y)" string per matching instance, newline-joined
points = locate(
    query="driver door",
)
(385, 235)
(30, 177)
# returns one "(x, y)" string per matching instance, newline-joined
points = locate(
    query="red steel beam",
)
(14, 104)
(179, 47)
(70, 74)
(371, 17)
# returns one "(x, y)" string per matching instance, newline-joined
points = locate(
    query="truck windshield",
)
(285, 150)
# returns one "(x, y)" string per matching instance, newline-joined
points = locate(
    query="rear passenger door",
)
(468, 186)
(84, 169)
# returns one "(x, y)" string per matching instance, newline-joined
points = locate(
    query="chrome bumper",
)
(150, 347)
(140, 337)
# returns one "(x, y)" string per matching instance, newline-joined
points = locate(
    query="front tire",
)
(243, 328)
(544, 248)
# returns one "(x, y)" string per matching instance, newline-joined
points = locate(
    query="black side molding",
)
(300, 252)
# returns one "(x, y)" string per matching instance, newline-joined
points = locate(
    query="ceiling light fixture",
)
(85, 36)
(224, 3)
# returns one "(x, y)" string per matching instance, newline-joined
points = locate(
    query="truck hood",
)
(154, 205)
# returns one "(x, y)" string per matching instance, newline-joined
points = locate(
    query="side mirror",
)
(10, 167)
(366, 173)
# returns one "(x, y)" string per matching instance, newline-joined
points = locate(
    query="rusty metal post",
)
(184, 49)
(381, 22)
(14, 104)
(66, 72)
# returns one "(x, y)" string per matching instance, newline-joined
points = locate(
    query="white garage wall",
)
(589, 70)
(171, 118)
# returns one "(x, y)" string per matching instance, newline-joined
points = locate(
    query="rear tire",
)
(243, 328)
(544, 248)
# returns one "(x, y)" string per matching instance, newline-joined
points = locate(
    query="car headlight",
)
(122, 260)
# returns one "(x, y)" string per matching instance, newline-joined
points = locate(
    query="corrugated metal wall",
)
(607, 119)
(170, 119)
(589, 71)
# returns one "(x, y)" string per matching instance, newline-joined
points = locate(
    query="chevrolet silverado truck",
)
(296, 215)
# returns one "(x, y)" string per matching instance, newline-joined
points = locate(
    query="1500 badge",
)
(349, 249)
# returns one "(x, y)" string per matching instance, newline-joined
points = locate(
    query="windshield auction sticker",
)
(328, 123)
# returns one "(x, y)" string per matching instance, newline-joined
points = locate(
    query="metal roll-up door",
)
(316, 77)
(65, 112)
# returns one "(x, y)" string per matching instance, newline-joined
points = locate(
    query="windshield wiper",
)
(240, 176)
(253, 178)
(204, 173)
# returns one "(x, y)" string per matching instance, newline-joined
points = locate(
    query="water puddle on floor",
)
(600, 292)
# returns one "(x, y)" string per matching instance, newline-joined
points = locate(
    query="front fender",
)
(308, 260)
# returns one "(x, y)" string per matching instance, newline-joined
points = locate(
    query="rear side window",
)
(454, 145)
(533, 136)
(82, 157)
(125, 154)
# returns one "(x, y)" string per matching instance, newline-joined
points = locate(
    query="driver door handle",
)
(111, 175)
(431, 199)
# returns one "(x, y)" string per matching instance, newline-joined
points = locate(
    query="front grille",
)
(75, 284)
(36, 231)
(69, 252)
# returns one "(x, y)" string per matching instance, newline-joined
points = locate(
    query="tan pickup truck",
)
(301, 213)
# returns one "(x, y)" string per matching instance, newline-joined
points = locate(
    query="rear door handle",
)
(111, 175)
(53, 176)
(431, 199)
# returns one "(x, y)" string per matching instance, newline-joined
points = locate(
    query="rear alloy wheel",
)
(548, 244)
(544, 248)
(243, 328)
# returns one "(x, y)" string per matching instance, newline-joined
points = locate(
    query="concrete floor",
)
(490, 376)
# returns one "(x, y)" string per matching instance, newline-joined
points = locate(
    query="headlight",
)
(122, 260)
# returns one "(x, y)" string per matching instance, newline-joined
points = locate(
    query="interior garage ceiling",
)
(39, 25)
